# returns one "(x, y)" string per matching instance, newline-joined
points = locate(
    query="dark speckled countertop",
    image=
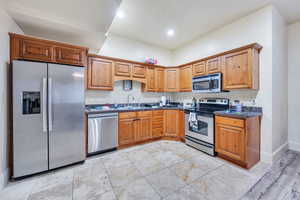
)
(247, 112)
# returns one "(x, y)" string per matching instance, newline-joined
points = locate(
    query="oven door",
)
(202, 130)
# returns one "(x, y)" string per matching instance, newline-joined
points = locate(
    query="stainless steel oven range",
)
(199, 124)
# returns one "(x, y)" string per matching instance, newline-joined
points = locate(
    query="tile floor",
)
(165, 170)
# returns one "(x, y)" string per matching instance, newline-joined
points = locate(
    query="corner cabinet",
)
(35, 49)
(100, 74)
(238, 140)
(186, 79)
(172, 80)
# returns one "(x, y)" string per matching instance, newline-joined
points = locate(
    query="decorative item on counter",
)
(238, 105)
(152, 61)
(194, 102)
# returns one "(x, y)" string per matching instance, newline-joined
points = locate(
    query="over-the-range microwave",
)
(207, 84)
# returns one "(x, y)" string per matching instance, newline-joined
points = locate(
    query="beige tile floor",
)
(160, 170)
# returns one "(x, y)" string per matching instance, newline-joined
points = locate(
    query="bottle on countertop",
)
(194, 102)
(238, 106)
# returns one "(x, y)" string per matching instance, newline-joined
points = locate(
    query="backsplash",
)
(118, 95)
(248, 98)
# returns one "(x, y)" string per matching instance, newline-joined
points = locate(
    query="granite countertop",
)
(247, 112)
(94, 109)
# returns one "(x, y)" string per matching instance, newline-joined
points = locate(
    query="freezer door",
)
(66, 115)
(30, 146)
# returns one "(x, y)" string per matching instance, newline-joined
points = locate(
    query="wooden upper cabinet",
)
(150, 84)
(172, 79)
(241, 70)
(122, 69)
(70, 56)
(138, 71)
(186, 79)
(35, 50)
(213, 65)
(199, 69)
(30, 48)
(159, 79)
(100, 74)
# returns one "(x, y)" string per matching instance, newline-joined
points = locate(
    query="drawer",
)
(127, 115)
(156, 124)
(156, 118)
(158, 112)
(157, 132)
(144, 114)
(230, 121)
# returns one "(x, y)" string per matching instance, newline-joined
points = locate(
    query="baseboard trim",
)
(279, 152)
(295, 146)
(3, 179)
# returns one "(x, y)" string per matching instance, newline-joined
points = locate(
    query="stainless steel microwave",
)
(207, 84)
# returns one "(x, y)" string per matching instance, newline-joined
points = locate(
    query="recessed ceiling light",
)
(170, 32)
(120, 14)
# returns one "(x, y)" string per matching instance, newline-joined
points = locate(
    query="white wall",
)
(294, 86)
(280, 84)
(121, 47)
(7, 25)
(256, 27)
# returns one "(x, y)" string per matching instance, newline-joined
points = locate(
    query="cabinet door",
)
(122, 69)
(150, 87)
(171, 123)
(34, 50)
(138, 71)
(126, 131)
(172, 80)
(144, 129)
(230, 141)
(199, 69)
(158, 123)
(213, 65)
(159, 79)
(186, 79)
(237, 72)
(70, 56)
(100, 74)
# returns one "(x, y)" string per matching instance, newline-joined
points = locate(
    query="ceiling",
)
(78, 22)
(148, 21)
(85, 22)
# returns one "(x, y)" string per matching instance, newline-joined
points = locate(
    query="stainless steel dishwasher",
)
(102, 132)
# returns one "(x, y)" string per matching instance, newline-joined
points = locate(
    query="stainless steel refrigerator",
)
(48, 116)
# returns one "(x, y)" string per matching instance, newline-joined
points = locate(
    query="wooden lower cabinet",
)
(126, 131)
(238, 140)
(142, 126)
(172, 128)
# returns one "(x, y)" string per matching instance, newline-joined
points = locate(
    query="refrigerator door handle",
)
(50, 115)
(44, 104)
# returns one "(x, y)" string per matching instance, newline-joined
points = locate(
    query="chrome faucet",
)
(128, 99)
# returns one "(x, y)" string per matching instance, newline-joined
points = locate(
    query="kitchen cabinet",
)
(157, 123)
(150, 84)
(241, 70)
(172, 80)
(172, 124)
(186, 79)
(159, 79)
(238, 140)
(199, 69)
(35, 49)
(122, 69)
(143, 129)
(213, 65)
(127, 131)
(138, 71)
(99, 74)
